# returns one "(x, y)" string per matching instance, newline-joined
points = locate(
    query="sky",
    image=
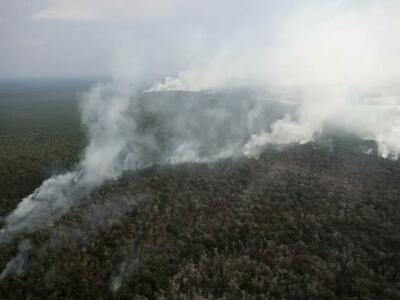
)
(62, 38)
(148, 39)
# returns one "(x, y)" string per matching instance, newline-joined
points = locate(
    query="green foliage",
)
(298, 223)
(40, 134)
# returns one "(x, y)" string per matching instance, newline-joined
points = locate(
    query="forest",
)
(313, 221)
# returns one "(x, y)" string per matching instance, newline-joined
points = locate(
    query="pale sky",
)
(67, 38)
(41, 38)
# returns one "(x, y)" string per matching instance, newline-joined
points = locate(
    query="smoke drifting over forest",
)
(318, 66)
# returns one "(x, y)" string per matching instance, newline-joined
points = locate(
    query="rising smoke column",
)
(131, 130)
(103, 115)
(339, 63)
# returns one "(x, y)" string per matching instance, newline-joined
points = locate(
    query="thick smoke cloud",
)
(132, 130)
(339, 63)
(319, 65)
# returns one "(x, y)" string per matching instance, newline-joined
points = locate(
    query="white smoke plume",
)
(131, 130)
(336, 64)
(17, 264)
(341, 67)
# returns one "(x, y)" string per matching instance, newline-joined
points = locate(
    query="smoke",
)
(338, 62)
(315, 66)
(16, 265)
(131, 130)
(125, 269)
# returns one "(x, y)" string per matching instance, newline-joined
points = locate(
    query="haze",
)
(142, 40)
